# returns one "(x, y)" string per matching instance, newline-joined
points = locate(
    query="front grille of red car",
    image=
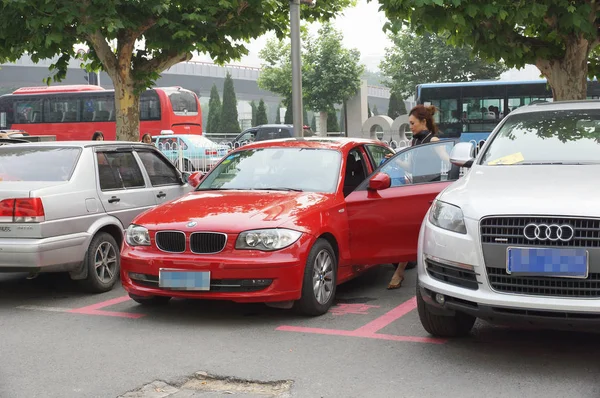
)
(170, 241)
(216, 285)
(207, 242)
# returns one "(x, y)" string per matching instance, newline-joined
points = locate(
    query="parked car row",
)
(514, 240)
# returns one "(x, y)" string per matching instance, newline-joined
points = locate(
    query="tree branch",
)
(104, 52)
(164, 61)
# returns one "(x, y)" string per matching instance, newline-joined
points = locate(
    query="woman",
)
(98, 136)
(146, 139)
(424, 130)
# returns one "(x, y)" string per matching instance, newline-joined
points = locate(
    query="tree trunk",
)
(568, 76)
(127, 109)
(323, 124)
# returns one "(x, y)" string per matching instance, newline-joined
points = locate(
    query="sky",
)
(369, 39)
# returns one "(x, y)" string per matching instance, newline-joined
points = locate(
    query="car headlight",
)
(447, 216)
(136, 235)
(267, 239)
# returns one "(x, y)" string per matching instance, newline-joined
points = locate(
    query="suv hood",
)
(566, 190)
(235, 211)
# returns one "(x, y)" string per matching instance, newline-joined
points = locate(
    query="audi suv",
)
(516, 240)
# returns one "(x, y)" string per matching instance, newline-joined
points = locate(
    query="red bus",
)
(75, 112)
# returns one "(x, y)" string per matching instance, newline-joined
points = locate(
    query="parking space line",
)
(95, 309)
(369, 331)
(42, 308)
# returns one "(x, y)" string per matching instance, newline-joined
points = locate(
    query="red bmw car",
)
(284, 222)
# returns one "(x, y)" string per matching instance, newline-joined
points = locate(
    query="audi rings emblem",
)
(549, 232)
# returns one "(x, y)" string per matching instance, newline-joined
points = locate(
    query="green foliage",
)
(134, 41)
(313, 123)
(369, 113)
(278, 115)
(547, 34)
(343, 118)
(332, 122)
(375, 111)
(436, 61)
(396, 106)
(253, 107)
(330, 73)
(305, 117)
(229, 114)
(261, 114)
(214, 111)
(373, 78)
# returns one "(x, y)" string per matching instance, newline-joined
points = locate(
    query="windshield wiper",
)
(278, 189)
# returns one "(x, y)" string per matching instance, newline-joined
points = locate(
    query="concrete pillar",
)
(357, 110)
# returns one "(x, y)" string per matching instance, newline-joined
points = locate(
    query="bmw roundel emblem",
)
(192, 224)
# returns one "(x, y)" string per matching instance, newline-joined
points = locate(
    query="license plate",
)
(184, 280)
(567, 263)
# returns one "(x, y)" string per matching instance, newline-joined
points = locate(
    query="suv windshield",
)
(302, 169)
(22, 163)
(551, 137)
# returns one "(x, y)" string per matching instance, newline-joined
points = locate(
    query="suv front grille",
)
(510, 231)
(170, 241)
(207, 242)
(544, 286)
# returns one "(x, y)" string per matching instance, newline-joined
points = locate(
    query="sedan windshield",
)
(551, 137)
(285, 169)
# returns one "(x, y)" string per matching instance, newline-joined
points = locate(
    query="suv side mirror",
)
(463, 154)
(379, 182)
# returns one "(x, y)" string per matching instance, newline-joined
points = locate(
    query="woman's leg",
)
(398, 277)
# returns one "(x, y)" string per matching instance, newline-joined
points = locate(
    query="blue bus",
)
(471, 110)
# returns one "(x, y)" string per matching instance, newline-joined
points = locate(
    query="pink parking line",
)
(388, 317)
(369, 331)
(95, 309)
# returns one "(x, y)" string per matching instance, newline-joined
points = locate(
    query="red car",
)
(284, 222)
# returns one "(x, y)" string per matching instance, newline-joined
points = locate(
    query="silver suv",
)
(64, 205)
(517, 239)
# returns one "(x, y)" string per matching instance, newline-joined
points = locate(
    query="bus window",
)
(149, 106)
(28, 111)
(61, 110)
(447, 111)
(183, 102)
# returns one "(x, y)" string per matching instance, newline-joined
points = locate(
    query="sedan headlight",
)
(447, 216)
(267, 239)
(136, 235)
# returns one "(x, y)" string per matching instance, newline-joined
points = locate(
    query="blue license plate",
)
(184, 280)
(565, 262)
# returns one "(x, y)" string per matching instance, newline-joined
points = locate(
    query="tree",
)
(369, 113)
(278, 115)
(134, 41)
(330, 73)
(313, 123)
(214, 111)
(343, 118)
(375, 111)
(560, 37)
(305, 117)
(288, 118)
(229, 114)
(253, 107)
(436, 61)
(396, 106)
(332, 122)
(261, 114)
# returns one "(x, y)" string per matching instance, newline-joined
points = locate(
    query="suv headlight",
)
(267, 239)
(447, 216)
(136, 235)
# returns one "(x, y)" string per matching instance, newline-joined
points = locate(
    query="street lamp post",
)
(297, 109)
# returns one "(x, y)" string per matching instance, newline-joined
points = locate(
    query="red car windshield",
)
(294, 169)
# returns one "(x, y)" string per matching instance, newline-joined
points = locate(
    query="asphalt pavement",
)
(56, 341)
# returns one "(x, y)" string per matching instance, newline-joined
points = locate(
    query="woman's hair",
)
(144, 136)
(96, 135)
(426, 113)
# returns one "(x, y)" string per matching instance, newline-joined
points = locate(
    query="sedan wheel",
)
(103, 262)
(320, 280)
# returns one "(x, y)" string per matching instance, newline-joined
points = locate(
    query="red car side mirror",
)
(380, 181)
(195, 178)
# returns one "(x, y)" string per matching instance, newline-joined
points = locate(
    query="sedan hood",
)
(235, 211)
(569, 190)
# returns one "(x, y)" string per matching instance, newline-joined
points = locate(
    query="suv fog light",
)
(440, 299)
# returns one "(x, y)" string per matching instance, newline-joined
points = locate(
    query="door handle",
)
(114, 199)
(161, 194)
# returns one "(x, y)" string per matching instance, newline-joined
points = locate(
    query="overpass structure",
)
(193, 75)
